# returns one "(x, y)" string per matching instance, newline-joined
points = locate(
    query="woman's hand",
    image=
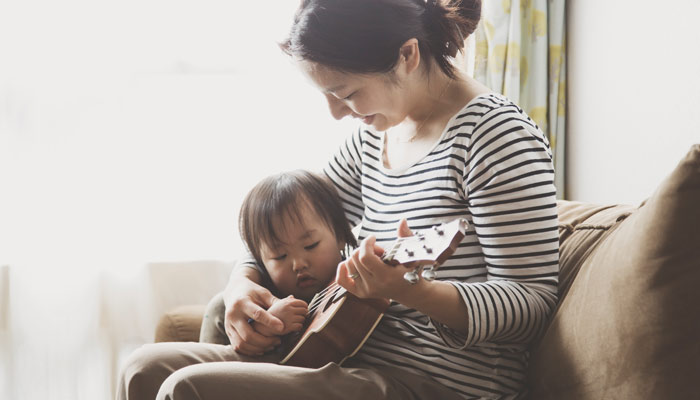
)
(439, 300)
(292, 313)
(365, 275)
(246, 300)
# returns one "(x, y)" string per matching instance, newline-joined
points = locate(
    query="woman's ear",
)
(409, 56)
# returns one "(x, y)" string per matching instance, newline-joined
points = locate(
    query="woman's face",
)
(372, 98)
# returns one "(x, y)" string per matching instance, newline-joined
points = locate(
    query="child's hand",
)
(292, 313)
(249, 300)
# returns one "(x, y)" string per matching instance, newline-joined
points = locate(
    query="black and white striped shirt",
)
(493, 167)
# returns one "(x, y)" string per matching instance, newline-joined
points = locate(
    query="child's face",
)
(306, 260)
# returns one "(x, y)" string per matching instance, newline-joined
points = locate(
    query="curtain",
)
(520, 51)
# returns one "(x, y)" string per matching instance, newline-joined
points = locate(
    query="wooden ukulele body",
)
(340, 327)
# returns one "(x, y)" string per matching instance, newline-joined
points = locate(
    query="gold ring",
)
(353, 276)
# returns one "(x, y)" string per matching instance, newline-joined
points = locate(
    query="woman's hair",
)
(279, 199)
(364, 36)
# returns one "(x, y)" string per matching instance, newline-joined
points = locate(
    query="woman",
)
(433, 145)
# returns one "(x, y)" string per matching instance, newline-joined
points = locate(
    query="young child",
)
(294, 226)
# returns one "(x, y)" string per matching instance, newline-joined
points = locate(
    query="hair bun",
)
(451, 22)
(470, 10)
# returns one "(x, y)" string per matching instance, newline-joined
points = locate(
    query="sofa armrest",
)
(181, 324)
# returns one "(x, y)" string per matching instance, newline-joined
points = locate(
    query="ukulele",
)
(338, 323)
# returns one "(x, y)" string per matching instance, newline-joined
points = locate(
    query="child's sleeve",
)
(248, 261)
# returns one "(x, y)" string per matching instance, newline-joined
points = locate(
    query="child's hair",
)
(278, 197)
(364, 36)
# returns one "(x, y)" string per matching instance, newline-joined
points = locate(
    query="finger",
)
(296, 327)
(403, 229)
(265, 297)
(262, 316)
(298, 303)
(343, 279)
(296, 307)
(300, 310)
(353, 267)
(377, 250)
(344, 270)
(365, 257)
(359, 268)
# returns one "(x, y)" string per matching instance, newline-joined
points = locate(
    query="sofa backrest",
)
(628, 321)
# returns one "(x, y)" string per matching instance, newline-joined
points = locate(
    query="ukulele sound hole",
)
(334, 296)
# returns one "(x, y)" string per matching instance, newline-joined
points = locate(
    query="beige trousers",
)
(191, 371)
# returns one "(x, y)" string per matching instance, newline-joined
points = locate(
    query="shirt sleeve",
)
(248, 261)
(509, 184)
(345, 171)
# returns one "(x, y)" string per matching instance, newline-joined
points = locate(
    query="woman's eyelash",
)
(349, 96)
(310, 247)
(280, 257)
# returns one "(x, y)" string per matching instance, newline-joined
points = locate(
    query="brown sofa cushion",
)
(629, 326)
(181, 324)
(581, 227)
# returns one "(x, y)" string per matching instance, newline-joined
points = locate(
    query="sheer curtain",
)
(129, 133)
(520, 51)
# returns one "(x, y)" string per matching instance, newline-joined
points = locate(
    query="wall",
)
(130, 132)
(634, 95)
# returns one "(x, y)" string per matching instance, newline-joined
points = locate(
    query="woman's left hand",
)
(365, 275)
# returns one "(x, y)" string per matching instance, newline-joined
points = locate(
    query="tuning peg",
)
(429, 274)
(411, 276)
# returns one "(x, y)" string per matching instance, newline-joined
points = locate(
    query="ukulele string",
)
(331, 290)
(323, 292)
(320, 296)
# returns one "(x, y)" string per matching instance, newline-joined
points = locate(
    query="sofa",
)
(627, 325)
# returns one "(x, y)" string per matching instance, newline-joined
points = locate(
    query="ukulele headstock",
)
(427, 249)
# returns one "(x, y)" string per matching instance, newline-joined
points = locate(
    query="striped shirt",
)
(493, 167)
